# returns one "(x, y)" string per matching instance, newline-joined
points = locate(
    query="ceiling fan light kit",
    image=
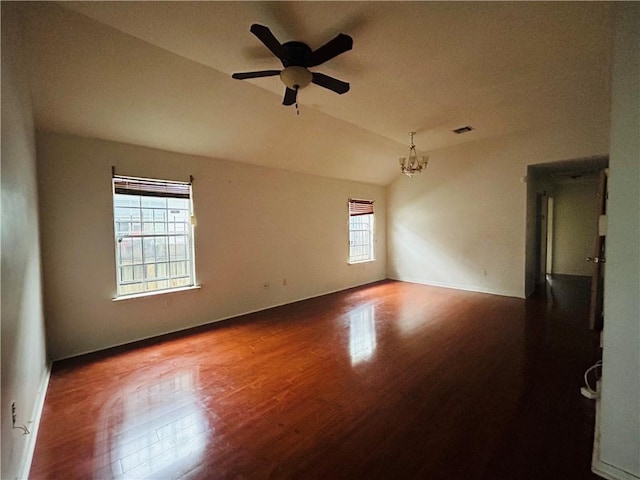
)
(296, 77)
(297, 58)
(413, 164)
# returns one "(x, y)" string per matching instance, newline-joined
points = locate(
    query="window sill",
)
(362, 261)
(155, 293)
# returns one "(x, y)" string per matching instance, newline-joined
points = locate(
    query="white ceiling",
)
(158, 74)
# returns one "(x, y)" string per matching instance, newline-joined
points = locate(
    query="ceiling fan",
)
(297, 58)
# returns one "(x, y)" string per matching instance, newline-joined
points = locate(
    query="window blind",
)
(360, 207)
(151, 188)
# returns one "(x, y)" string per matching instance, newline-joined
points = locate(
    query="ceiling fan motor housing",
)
(296, 54)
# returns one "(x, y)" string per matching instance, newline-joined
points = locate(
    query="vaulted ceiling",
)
(158, 74)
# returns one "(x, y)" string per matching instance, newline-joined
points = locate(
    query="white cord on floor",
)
(587, 390)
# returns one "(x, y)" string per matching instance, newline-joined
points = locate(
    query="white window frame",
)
(361, 214)
(151, 228)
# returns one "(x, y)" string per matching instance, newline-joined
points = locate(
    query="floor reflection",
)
(158, 430)
(362, 334)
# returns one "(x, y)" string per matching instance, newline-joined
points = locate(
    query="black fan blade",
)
(262, 73)
(270, 41)
(289, 96)
(331, 83)
(332, 48)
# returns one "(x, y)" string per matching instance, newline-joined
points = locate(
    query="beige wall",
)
(24, 360)
(467, 213)
(254, 225)
(619, 455)
(575, 225)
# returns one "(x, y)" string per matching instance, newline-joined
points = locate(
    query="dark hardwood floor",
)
(391, 381)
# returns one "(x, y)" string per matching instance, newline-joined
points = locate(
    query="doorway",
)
(561, 220)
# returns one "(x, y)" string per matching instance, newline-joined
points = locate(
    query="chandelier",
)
(414, 164)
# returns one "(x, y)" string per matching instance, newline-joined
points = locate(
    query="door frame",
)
(538, 179)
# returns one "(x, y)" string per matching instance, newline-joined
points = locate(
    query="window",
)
(153, 235)
(360, 231)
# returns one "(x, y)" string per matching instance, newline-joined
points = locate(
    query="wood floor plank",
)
(390, 380)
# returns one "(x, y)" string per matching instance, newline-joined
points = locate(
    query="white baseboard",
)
(610, 472)
(36, 415)
(466, 288)
(597, 465)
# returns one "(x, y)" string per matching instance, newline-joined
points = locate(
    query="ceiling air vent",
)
(460, 130)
